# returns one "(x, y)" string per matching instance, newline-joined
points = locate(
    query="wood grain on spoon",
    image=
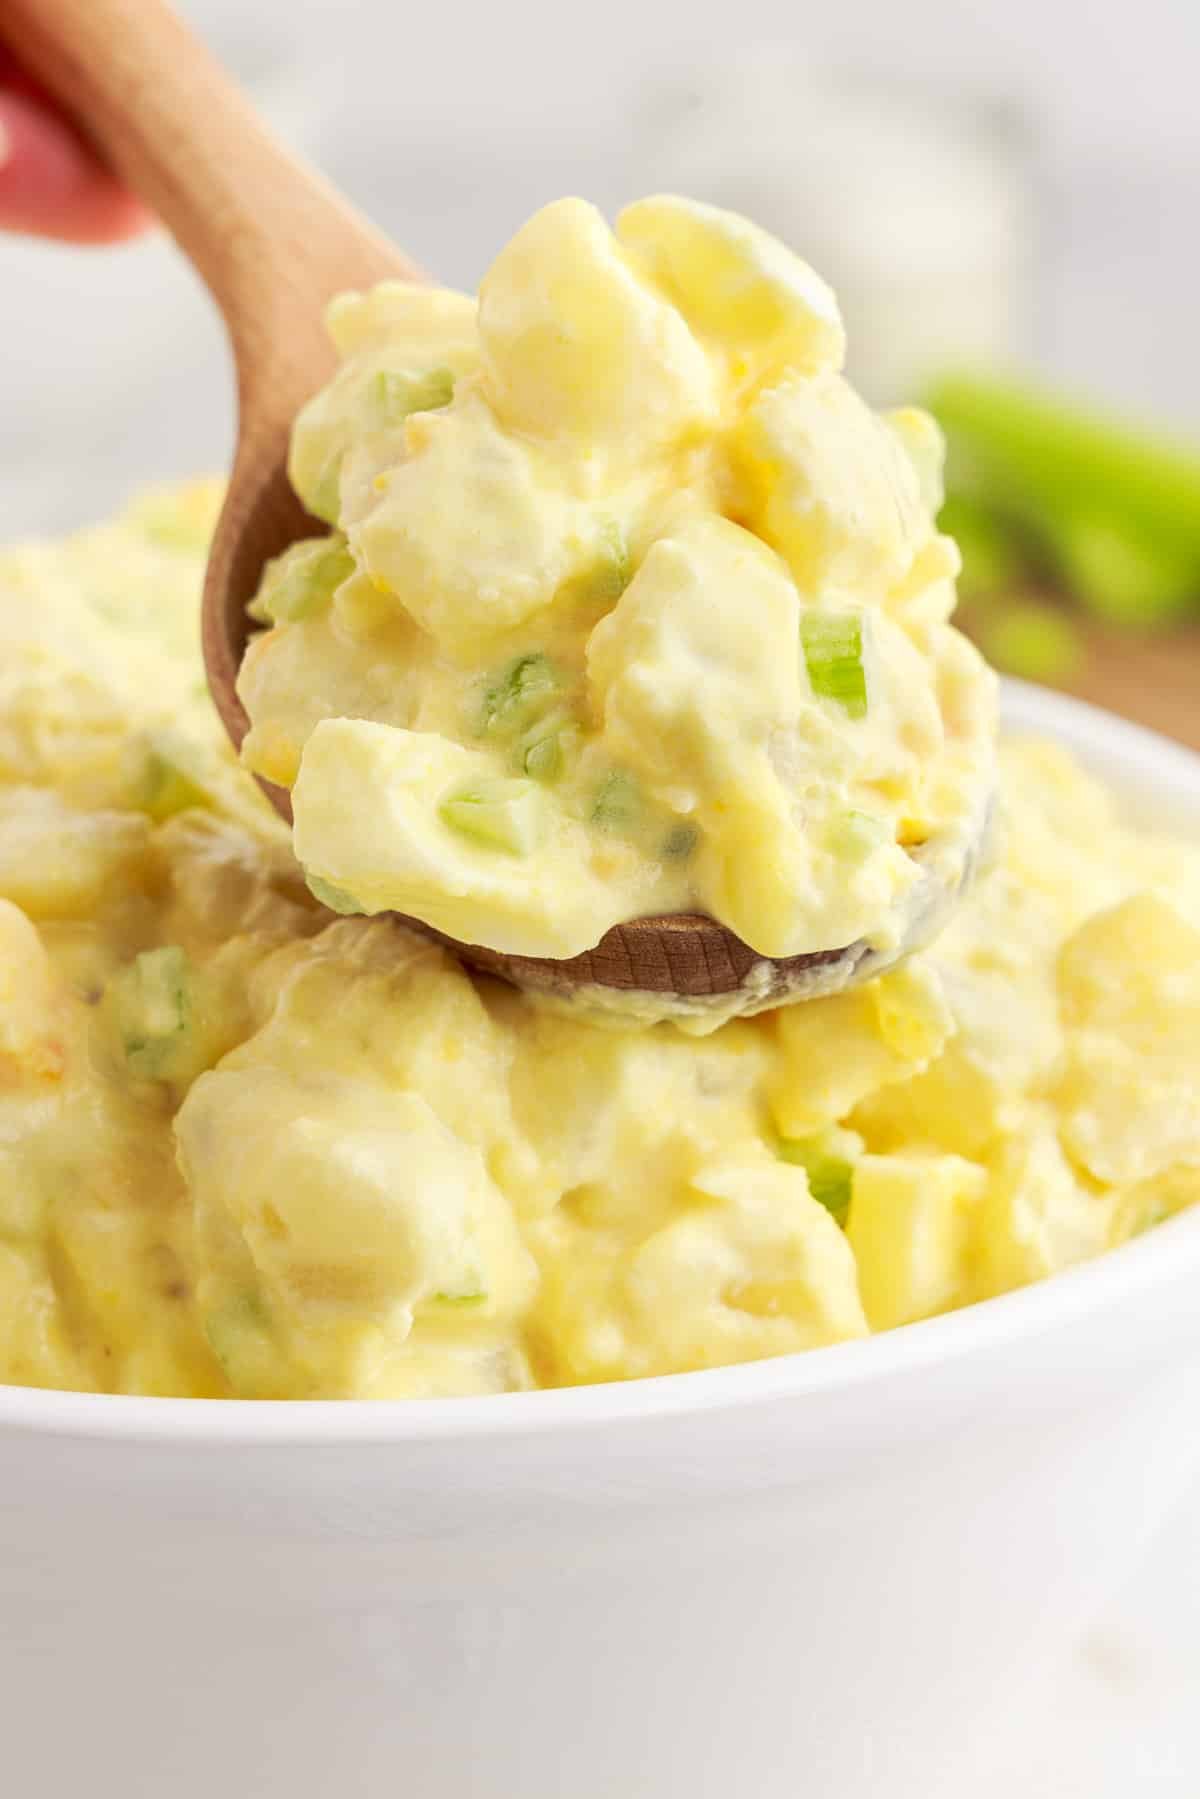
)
(273, 243)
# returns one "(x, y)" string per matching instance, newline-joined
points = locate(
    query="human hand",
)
(51, 183)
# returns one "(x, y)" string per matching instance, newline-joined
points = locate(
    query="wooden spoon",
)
(273, 243)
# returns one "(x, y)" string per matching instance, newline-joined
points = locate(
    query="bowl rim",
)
(1170, 1252)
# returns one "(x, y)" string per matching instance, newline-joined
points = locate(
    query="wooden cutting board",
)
(1154, 680)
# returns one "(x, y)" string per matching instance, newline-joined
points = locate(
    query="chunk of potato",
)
(739, 288)
(576, 345)
(1129, 994)
(824, 480)
(910, 1230)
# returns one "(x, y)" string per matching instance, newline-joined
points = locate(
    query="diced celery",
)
(856, 835)
(515, 697)
(679, 842)
(382, 403)
(392, 394)
(618, 802)
(543, 759)
(151, 1005)
(833, 652)
(465, 1287)
(167, 774)
(325, 500)
(830, 1176)
(542, 751)
(300, 583)
(501, 814)
(611, 575)
(335, 898)
(435, 390)
(239, 1335)
(387, 397)
(601, 580)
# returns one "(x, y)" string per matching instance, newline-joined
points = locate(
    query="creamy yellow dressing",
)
(631, 606)
(249, 1150)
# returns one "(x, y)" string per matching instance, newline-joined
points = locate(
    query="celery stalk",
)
(1052, 461)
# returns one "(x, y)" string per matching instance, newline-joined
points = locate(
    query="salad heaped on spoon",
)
(630, 608)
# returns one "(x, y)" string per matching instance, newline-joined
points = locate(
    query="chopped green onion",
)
(151, 1005)
(460, 1299)
(617, 803)
(503, 815)
(833, 652)
(829, 1176)
(335, 898)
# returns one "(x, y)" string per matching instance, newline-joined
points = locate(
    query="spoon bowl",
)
(274, 242)
(679, 965)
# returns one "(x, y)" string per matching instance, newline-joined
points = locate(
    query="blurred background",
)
(1006, 199)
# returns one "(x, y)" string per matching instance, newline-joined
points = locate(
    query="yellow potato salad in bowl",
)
(630, 606)
(248, 1149)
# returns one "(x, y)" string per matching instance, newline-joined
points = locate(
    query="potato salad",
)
(629, 606)
(248, 1149)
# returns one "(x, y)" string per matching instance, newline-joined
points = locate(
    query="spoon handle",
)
(271, 239)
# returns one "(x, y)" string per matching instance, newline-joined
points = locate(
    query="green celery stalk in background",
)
(1029, 637)
(1111, 514)
(993, 558)
(1122, 578)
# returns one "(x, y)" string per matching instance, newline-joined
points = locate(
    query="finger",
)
(52, 185)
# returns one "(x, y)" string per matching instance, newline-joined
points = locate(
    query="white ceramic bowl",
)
(817, 1575)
